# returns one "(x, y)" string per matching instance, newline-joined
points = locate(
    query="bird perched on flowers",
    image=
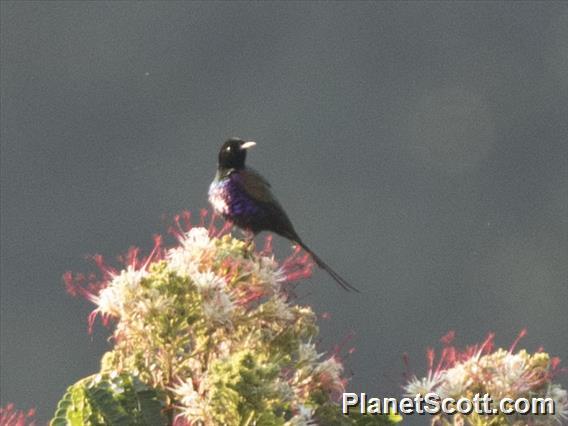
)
(243, 196)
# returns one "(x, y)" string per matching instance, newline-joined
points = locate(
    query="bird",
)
(242, 196)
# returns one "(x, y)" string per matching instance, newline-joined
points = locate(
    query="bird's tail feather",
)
(319, 261)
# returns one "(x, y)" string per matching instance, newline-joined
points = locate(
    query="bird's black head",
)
(233, 153)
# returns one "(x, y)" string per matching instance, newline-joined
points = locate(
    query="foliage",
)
(206, 332)
(114, 399)
(499, 373)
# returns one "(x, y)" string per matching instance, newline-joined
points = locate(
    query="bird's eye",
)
(228, 149)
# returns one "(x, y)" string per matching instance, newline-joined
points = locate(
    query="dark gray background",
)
(420, 148)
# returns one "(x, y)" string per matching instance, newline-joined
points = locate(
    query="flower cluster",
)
(499, 373)
(209, 323)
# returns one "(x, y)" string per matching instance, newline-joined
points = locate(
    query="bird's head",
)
(233, 153)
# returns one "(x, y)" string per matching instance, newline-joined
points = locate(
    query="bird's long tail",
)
(319, 261)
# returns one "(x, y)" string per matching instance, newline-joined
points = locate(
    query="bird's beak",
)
(248, 145)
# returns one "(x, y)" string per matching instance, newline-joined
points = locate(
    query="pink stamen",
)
(105, 319)
(252, 296)
(70, 284)
(202, 216)
(130, 257)
(9, 416)
(227, 226)
(554, 362)
(182, 224)
(339, 347)
(77, 285)
(448, 337)
(155, 254)
(91, 320)
(298, 275)
(451, 357)
(522, 334)
(177, 230)
(106, 270)
(292, 257)
(267, 249)
(212, 229)
(487, 344)
(186, 217)
(430, 358)
(297, 267)
(441, 362)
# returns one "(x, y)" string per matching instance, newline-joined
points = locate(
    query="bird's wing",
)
(275, 218)
(255, 185)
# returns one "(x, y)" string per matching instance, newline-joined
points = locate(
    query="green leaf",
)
(115, 399)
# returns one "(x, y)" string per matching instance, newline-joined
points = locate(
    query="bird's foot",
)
(248, 237)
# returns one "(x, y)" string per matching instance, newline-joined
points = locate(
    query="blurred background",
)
(420, 148)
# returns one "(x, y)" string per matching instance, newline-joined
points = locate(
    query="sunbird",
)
(242, 196)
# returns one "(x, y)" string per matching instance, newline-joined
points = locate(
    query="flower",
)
(560, 398)
(304, 417)
(218, 308)
(119, 290)
(208, 281)
(329, 375)
(193, 246)
(454, 381)
(210, 323)
(424, 385)
(307, 354)
(193, 408)
(500, 373)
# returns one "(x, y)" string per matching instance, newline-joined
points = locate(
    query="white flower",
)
(509, 373)
(266, 269)
(424, 385)
(218, 308)
(186, 393)
(303, 417)
(193, 406)
(307, 354)
(208, 281)
(111, 300)
(329, 373)
(129, 279)
(197, 238)
(282, 309)
(456, 380)
(185, 258)
(560, 397)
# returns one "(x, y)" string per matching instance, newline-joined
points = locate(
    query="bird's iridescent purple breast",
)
(219, 196)
(229, 199)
